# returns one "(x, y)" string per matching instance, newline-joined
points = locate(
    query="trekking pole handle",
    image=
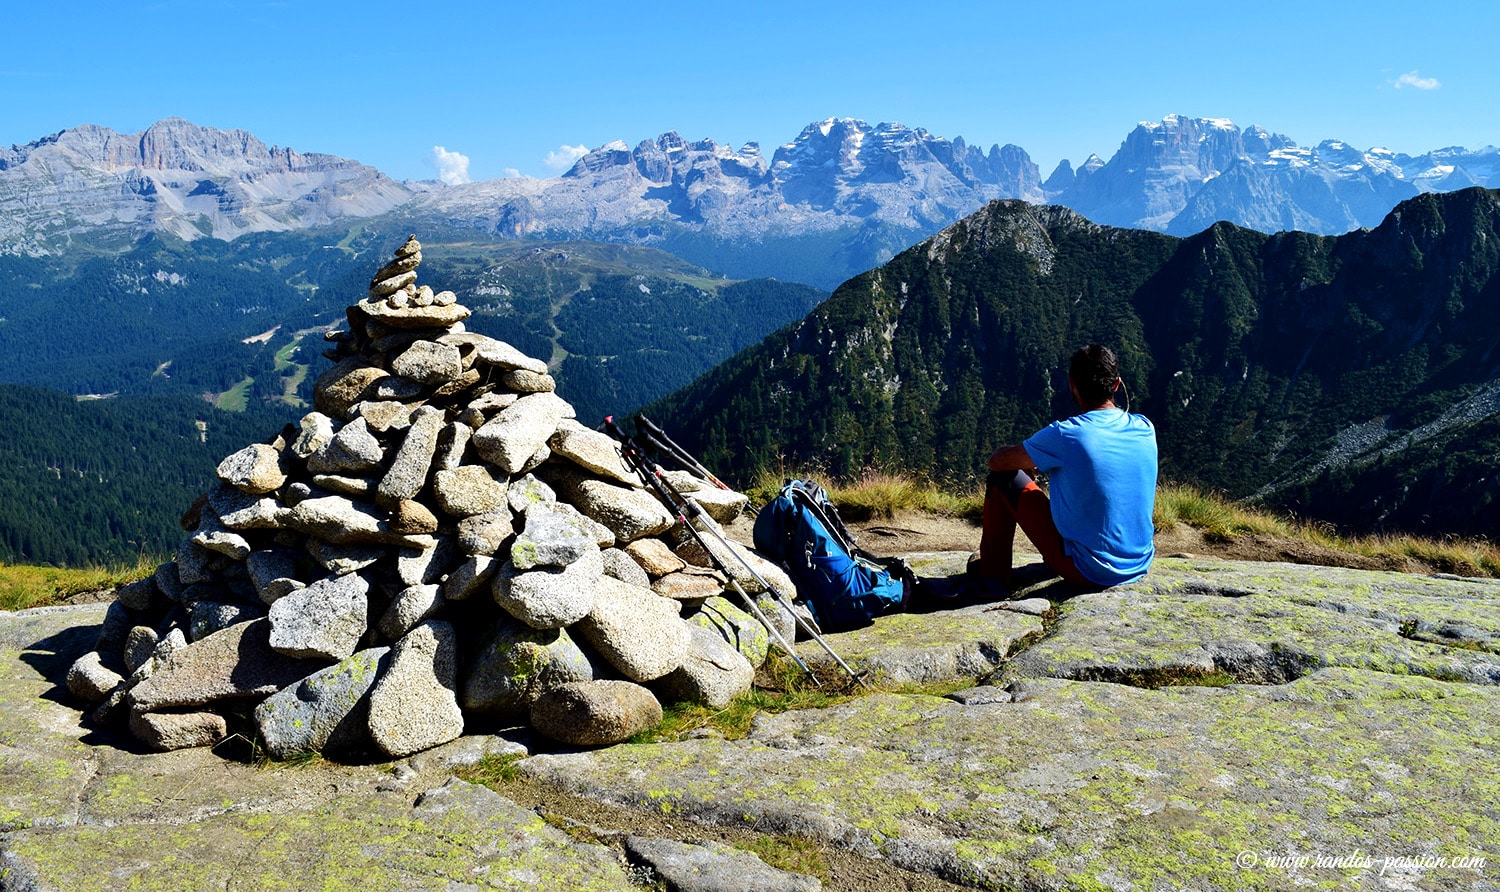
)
(639, 463)
(653, 432)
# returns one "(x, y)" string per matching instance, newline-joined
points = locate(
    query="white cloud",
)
(510, 173)
(564, 156)
(1417, 82)
(452, 167)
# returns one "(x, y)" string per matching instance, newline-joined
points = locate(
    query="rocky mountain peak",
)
(666, 159)
(1260, 142)
(176, 144)
(1337, 153)
(1205, 146)
(1091, 165)
(612, 154)
(838, 155)
(832, 139)
(171, 144)
(174, 176)
(1060, 179)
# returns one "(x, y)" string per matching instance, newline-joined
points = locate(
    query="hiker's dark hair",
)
(1094, 371)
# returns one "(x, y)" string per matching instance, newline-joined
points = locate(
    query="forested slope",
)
(1352, 378)
(100, 480)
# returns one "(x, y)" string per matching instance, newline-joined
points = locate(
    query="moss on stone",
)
(355, 842)
(1102, 785)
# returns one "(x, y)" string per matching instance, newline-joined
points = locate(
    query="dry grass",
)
(874, 494)
(24, 586)
(1217, 518)
(1220, 520)
(1464, 557)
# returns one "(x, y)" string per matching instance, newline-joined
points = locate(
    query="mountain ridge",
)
(91, 184)
(840, 197)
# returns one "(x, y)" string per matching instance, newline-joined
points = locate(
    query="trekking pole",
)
(659, 436)
(633, 457)
(686, 508)
(812, 631)
(688, 463)
(684, 462)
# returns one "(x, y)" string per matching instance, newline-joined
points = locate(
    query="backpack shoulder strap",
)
(812, 498)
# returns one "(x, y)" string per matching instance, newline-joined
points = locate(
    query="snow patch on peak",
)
(827, 125)
(1175, 121)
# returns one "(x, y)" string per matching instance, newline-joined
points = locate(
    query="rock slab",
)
(324, 621)
(414, 704)
(236, 663)
(636, 630)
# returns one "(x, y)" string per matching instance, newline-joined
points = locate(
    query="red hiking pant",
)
(1011, 498)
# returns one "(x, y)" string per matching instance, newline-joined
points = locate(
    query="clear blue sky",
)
(506, 84)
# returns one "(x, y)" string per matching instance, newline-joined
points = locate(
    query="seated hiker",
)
(1101, 464)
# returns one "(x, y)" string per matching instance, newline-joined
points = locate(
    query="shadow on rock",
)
(52, 656)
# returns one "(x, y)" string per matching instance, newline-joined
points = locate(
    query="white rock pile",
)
(439, 546)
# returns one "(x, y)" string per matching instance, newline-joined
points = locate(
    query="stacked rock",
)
(439, 545)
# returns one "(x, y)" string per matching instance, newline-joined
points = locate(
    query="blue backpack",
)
(845, 587)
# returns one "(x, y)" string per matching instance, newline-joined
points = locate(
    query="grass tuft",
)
(1217, 518)
(789, 853)
(1461, 557)
(492, 771)
(780, 686)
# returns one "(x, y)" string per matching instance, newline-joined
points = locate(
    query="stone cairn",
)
(439, 545)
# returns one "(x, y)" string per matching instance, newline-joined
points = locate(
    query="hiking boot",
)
(937, 593)
(988, 589)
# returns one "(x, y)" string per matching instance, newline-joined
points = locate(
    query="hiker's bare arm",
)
(1011, 458)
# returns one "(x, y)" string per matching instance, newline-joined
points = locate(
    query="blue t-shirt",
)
(1101, 467)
